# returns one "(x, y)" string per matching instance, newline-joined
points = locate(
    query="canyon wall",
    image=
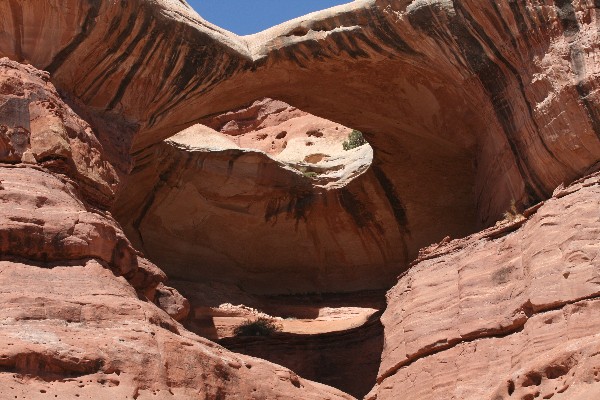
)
(84, 314)
(468, 105)
(508, 313)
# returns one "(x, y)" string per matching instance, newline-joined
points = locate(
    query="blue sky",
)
(245, 17)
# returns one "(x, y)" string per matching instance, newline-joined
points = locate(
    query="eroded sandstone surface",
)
(501, 314)
(84, 315)
(310, 217)
(469, 106)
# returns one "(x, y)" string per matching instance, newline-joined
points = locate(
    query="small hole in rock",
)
(511, 388)
(531, 379)
(556, 371)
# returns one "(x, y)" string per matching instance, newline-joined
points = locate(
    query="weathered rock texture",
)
(509, 317)
(84, 315)
(468, 104)
(38, 128)
(80, 331)
(463, 101)
(203, 209)
(275, 127)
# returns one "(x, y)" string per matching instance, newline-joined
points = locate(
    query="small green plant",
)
(310, 174)
(355, 139)
(259, 327)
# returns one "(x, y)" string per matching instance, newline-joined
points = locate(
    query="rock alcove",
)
(468, 106)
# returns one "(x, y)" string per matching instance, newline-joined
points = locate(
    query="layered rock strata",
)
(504, 314)
(463, 101)
(84, 314)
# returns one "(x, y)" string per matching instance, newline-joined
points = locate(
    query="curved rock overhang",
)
(464, 101)
(304, 213)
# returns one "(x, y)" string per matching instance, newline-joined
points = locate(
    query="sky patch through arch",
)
(245, 17)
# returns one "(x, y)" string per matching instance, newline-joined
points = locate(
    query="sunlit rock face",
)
(510, 312)
(468, 106)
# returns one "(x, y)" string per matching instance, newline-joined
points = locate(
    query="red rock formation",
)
(468, 105)
(501, 314)
(463, 101)
(241, 217)
(38, 128)
(78, 316)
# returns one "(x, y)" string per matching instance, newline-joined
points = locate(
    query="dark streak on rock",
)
(388, 35)
(339, 40)
(112, 49)
(358, 211)
(17, 17)
(173, 165)
(521, 24)
(200, 71)
(291, 55)
(234, 156)
(299, 206)
(394, 200)
(273, 209)
(523, 31)
(150, 42)
(423, 19)
(496, 85)
(86, 28)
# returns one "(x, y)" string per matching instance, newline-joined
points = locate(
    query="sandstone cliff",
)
(81, 313)
(468, 105)
(501, 314)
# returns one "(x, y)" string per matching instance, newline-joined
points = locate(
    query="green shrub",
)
(355, 139)
(260, 327)
(310, 174)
